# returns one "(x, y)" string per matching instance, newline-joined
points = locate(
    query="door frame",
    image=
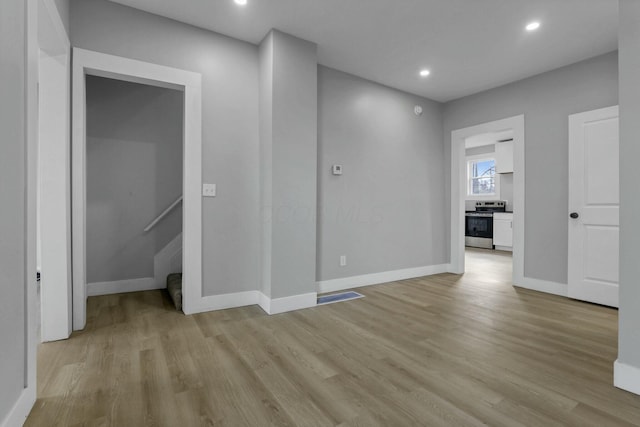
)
(87, 62)
(54, 176)
(458, 191)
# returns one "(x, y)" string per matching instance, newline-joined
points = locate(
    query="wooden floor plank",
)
(442, 350)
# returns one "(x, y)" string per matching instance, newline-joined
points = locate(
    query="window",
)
(481, 177)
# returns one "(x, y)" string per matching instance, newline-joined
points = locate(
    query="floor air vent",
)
(343, 296)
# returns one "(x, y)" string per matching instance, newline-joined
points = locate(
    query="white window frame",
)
(475, 158)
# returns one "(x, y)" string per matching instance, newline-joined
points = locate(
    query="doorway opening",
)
(487, 196)
(488, 203)
(489, 268)
(134, 169)
(87, 208)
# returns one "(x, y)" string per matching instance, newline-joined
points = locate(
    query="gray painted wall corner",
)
(289, 161)
(386, 211)
(629, 317)
(13, 227)
(64, 6)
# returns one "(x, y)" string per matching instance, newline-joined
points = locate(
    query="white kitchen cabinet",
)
(504, 157)
(503, 231)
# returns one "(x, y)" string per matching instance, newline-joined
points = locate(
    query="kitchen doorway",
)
(488, 268)
(481, 156)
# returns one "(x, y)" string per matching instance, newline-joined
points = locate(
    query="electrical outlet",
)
(209, 190)
(343, 260)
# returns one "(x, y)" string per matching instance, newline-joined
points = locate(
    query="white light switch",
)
(208, 190)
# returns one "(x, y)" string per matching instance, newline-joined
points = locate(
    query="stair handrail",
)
(163, 214)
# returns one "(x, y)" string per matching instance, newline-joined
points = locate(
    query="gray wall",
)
(289, 162)
(386, 211)
(229, 68)
(12, 209)
(629, 40)
(546, 100)
(295, 151)
(266, 158)
(63, 7)
(134, 171)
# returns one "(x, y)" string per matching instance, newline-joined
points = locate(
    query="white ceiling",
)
(469, 45)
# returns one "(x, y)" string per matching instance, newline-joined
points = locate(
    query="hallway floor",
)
(435, 351)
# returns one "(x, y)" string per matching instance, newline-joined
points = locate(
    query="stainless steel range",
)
(478, 228)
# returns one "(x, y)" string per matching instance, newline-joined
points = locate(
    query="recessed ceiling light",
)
(532, 26)
(424, 73)
(241, 2)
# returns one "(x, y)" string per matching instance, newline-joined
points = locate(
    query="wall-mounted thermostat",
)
(337, 169)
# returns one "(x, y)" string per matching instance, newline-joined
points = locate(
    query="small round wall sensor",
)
(417, 110)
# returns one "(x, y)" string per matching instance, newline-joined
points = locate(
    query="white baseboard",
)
(626, 377)
(225, 301)
(120, 286)
(377, 278)
(292, 303)
(242, 299)
(504, 248)
(20, 411)
(542, 286)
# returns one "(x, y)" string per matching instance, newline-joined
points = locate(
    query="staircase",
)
(167, 261)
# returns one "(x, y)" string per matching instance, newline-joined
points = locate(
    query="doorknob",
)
(574, 215)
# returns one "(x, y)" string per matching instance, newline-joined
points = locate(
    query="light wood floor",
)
(444, 350)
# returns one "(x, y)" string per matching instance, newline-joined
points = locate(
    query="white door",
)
(593, 206)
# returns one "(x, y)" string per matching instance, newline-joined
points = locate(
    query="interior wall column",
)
(627, 367)
(288, 163)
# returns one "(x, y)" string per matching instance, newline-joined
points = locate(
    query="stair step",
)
(174, 286)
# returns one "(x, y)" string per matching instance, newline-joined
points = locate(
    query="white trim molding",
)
(225, 301)
(268, 305)
(20, 411)
(626, 377)
(54, 177)
(98, 64)
(458, 190)
(378, 278)
(122, 286)
(292, 303)
(542, 286)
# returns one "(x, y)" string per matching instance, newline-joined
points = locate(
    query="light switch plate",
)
(208, 190)
(337, 169)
